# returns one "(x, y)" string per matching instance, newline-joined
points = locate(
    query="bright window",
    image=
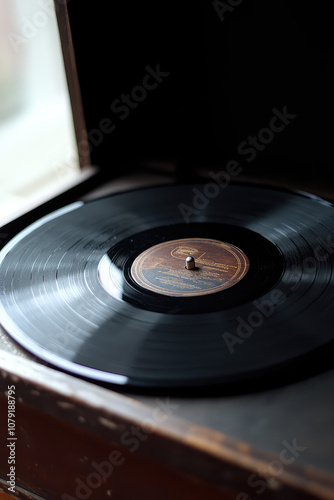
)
(38, 153)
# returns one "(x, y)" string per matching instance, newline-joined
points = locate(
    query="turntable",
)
(167, 328)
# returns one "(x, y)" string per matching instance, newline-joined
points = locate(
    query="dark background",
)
(225, 78)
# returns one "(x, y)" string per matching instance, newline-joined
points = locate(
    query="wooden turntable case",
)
(271, 444)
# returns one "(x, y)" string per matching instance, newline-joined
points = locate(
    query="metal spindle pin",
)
(190, 263)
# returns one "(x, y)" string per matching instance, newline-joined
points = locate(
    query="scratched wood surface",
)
(63, 423)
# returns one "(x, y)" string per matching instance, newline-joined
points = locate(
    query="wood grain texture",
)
(67, 424)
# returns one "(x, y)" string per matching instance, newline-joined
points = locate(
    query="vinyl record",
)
(177, 286)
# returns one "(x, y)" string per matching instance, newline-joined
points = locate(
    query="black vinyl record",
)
(91, 289)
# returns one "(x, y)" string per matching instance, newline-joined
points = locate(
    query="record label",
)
(215, 266)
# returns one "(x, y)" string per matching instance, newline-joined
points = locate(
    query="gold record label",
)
(162, 268)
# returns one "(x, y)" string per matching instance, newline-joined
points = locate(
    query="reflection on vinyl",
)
(124, 290)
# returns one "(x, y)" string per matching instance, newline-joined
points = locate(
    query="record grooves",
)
(100, 289)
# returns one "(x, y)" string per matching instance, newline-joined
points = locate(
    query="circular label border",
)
(241, 263)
